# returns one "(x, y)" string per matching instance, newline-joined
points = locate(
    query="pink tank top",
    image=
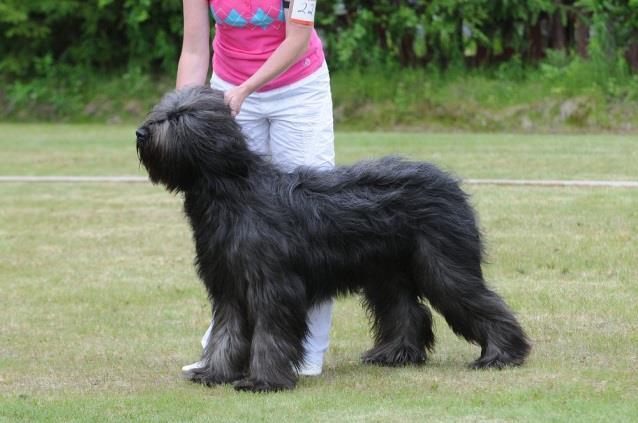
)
(247, 32)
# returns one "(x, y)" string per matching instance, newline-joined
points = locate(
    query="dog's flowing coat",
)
(271, 244)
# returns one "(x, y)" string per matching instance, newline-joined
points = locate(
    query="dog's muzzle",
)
(142, 135)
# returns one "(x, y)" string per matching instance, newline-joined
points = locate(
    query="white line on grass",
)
(553, 183)
(503, 182)
(73, 179)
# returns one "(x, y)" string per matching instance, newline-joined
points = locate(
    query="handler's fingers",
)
(236, 106)
(234, 110)
(231, 104)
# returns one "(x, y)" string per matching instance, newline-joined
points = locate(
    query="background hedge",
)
(37, 37)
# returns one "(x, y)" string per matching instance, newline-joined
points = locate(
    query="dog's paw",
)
(488, 363)
(253, 385)
(494, 358)
(208, 378)
(394, 356)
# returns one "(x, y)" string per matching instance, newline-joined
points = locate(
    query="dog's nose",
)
(141, 134)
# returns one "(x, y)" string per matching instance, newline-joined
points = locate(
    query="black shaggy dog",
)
(271, 244)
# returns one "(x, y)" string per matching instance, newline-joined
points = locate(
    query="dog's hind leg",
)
(226, 355)
(402, 325)
(279, 312)
(457, 290)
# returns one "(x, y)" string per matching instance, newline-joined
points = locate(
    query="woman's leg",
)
(256, 128)
(295, 128)
(301, 124)
(316, 344)
(301, 134)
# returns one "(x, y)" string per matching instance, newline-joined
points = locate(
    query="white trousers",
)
(293, 126)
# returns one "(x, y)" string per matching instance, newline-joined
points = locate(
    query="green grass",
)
(110, 150)
(100, 305)
(560, 94)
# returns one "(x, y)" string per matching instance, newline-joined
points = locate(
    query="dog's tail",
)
(448, 267)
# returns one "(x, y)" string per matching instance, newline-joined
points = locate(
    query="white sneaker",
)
(310, 369)
(188, 369)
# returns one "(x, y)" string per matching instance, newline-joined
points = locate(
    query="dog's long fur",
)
(271, 244)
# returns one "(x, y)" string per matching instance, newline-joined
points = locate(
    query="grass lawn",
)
(100, 305)
(110, 150)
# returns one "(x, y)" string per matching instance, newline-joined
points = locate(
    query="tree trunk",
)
(482, 56)
(558, 40)
(632, 56)
(581, 35)
(536, 51)
(407, 51)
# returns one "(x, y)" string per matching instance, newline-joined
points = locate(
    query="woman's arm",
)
(194, 60)
(289, 51)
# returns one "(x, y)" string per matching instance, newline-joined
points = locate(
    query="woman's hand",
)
(235, 97)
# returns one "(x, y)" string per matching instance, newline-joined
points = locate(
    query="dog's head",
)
(188, 134)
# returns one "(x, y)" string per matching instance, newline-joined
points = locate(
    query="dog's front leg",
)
(225, 357)
(276, 351)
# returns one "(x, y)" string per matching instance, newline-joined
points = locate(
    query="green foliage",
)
(419, 31)
(614, 21)
(112, 35)
(102, 35)
(454, 32)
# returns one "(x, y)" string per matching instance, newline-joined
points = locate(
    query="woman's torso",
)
(247, 32)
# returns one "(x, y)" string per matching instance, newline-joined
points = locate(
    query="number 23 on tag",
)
(303, 12)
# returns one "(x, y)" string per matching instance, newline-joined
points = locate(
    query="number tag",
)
(303, 12)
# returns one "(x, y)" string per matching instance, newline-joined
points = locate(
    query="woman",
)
(269, 61)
